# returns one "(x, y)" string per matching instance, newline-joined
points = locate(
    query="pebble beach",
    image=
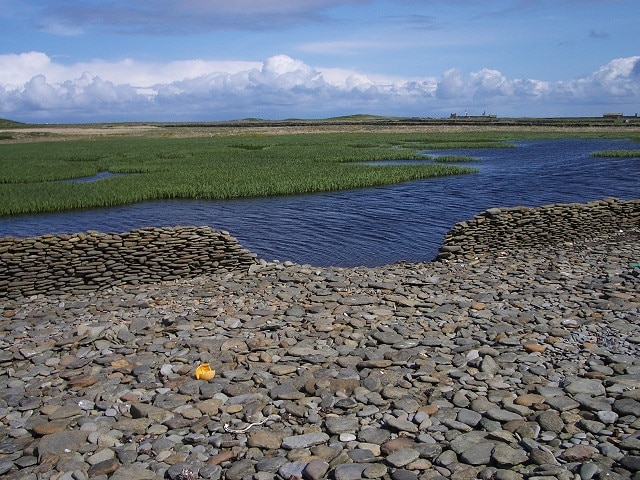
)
(521, 365)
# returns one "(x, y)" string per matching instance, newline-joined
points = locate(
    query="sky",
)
(74, 61)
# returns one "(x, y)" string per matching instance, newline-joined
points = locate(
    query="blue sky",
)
(72, 61)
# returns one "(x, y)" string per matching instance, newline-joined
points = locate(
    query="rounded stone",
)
(551, 421)
(402, 457)
(375, 470)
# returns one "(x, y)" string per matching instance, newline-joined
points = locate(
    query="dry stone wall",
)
(56, 264)
(500, 230)
(53, 264)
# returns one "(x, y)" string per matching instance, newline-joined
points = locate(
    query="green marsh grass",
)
(454, 159)
(32, 175)
(617, 154)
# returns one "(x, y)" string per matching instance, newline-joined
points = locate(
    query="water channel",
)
(377, 226)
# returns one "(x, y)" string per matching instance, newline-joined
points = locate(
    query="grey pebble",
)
(402, 457)
(349, 471)
(341, 424)
(478, 454)
(304, 441)
(376, 436)
(375, 470)
(292, 469)
(5, 466)
(315, 469)
(402, 425)
(469, 417)
(507, 456)
(588, 470)
(402, 474)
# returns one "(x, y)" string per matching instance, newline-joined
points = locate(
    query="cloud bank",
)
(35, 88)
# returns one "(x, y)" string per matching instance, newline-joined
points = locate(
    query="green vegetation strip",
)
(617, 154)
(32, 175)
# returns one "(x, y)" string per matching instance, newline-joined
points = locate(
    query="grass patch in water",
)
(616, 154)
(223, 167)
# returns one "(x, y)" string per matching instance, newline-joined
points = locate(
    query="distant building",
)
(466, 115)
(613, 115)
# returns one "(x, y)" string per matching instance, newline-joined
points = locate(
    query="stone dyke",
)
(55, 264)
(498, 231)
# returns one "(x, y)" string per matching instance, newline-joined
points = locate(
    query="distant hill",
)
(362, 117)
(4, 123)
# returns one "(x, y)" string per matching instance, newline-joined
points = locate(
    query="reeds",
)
(32, 174)
(617, 154)
(230, 166)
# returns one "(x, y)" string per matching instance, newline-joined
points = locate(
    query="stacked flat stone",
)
(54, 264)
(498, 230)
(517, 366)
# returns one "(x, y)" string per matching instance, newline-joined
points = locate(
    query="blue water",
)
(377, 226)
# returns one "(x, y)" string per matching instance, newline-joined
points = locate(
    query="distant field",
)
(19, 132)
(248, 158)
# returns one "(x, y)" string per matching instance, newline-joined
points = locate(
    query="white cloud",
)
(18, 69)
(618, 78)
(283, 72)
(490, 83)
(34, 87)
(452, 85)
